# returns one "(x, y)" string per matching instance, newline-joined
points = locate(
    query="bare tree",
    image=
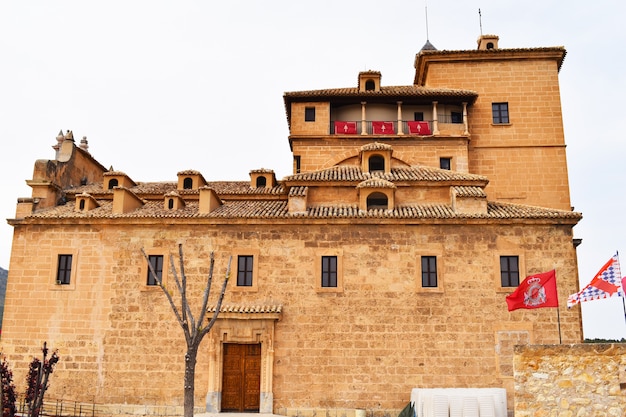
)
(194, 330)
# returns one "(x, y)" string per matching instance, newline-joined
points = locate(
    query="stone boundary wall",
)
(570, 380)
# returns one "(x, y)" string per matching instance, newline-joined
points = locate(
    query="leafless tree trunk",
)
(194, 330)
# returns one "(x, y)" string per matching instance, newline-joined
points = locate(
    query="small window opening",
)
(188, 183)
(418, 116)
(157, 264)
(429, 271)
(244, 270)
(170, 203)
(113, 183)
(445, 163)
(509, 271)
(489, 45)
(370, 85)
(81, 205)
(261, 182)
(456, 117)
(309, 114)
(377, 201)
(500, 113)
(329, 271)
(297, 163)
(376, 163)
(64, 269)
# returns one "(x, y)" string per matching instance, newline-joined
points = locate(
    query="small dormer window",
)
(377, 201)
(113, 183)
(170, 203)
(261, 182)
(81, 205)
(188, 183)
(376, 163)
(490, 45)
(370, 85)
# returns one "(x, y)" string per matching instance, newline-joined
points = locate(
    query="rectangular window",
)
(418, 116)
(509, 271)
(500, 112)
(329, 271)
(296, 160)
(456, 117)
(444, 163)
(64, 269)
(157, 264)
(429, 271)
(244, 270)
(309, 114)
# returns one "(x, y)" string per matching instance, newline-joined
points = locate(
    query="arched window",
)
(188, 183)
(377, 201)
(81, 205)
(170, 203)
(370, 85)
(113, 183)
(376, 163)
(489, 45)
(261, 182)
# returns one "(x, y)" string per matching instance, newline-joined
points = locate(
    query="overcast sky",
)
(159, 87)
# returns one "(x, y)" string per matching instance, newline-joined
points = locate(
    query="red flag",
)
(382, 128)
(536, 291)
(418, 128)
(345, 128)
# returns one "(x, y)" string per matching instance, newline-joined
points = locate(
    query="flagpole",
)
(623, 289)
(558, 319)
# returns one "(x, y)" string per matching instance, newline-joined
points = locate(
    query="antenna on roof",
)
(480, 22)
(426, 14)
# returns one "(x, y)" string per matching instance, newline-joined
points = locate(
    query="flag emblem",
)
(536, 291)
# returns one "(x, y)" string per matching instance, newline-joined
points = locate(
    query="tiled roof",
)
(220, 187)
(255, 309)
(376, 183)
(376, 146)
(298, 191)
(354, 173)
(385, 91)
(470, 192)
(277, 209)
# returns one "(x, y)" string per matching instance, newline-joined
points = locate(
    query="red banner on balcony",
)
(382, 128)
(419, 128)
(345, 128)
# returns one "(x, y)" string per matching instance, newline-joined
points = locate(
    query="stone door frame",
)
(245, 325)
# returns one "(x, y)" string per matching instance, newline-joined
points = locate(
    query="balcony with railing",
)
(438, 127)
(387, 120)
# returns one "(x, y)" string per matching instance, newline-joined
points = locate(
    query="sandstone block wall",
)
(534, 135)
(570, 380)
(364, 346)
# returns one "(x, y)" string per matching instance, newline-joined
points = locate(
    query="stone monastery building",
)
(381, 264)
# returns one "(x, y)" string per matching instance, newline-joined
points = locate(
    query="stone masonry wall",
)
(570, 380)
(364, 346)
(534, 135)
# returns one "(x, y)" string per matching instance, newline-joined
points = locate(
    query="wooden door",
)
(241, 378)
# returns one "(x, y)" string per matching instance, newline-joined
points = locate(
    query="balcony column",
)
(466, 129)
(363, 120)
(400, 132)
(435, 119)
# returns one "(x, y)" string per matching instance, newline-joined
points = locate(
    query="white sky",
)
(163, 86)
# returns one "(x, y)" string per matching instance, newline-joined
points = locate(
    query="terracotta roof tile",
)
(277, 209)
(353, 173)
(385, 91)
(243, 309)
(376, 183)
(470, 192)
